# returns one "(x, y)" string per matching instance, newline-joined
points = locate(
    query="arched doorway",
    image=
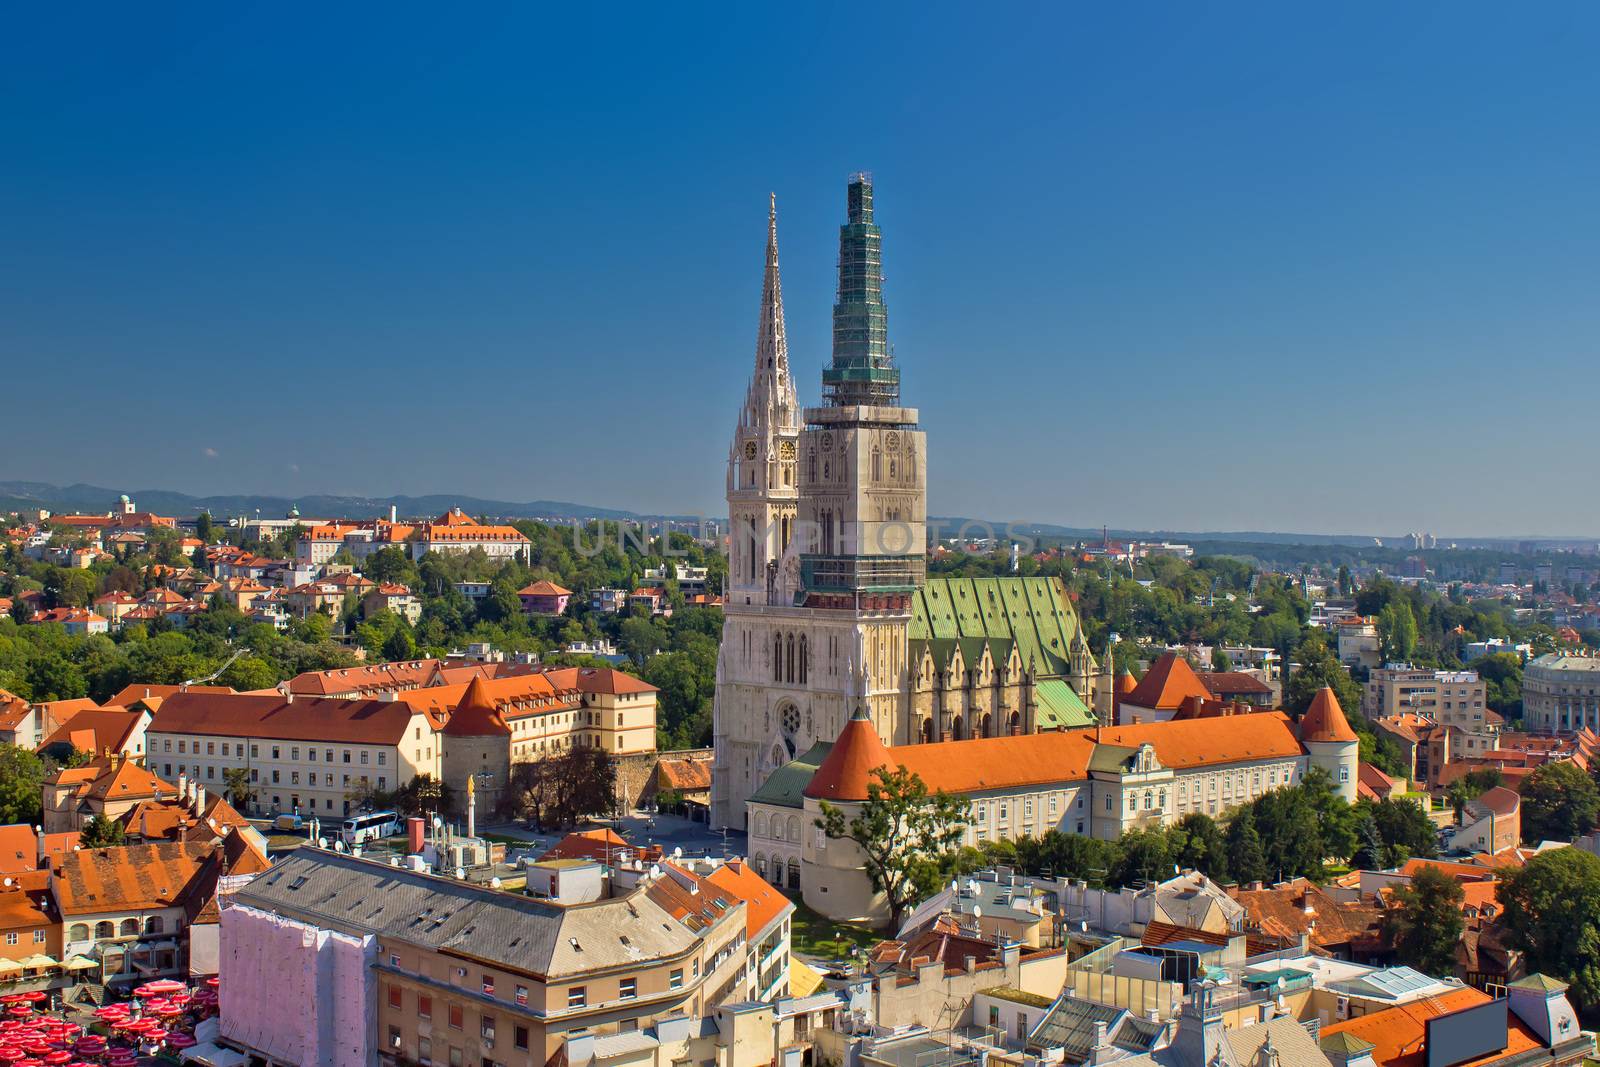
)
(958, 729)
(794, 874)
(1016, 722)
(986, 725)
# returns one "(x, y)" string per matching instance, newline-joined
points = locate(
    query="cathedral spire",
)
(772, 394)
(772, 347)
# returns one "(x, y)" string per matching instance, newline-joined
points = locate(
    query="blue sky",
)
(1159, 266)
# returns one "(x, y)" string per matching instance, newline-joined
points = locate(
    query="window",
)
(424, 1051)
(578, 996)
(294, 753)
(166, 746)
(311, 755)
(486, 1028)
(394, 995)
(455, 1016)
(255, 750)
(488, 985)
(675, 979)
(276, 777)
(522, 994)
(275, 751)
(455, 1057)
(521, 1038)
(38, 937)
(347, 755)
(363, 757)
(629, 988)
(424, 1007)
(394, 1037)
(382, 757)
(11, 937)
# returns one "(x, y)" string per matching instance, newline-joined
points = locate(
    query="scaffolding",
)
(863, 371)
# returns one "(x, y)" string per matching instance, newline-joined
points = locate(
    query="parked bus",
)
(362, 828)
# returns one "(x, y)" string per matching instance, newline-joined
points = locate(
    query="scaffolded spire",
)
(863, 370)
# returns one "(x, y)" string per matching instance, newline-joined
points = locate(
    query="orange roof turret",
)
(847, 771)
(1324, 720)
(1165, 685)
(477, 715)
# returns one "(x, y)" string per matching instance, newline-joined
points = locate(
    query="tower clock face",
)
(786, 450)
(749, 450)
(827, 442)
(891, 440)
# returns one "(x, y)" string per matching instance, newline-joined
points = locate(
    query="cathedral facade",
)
(829, 613)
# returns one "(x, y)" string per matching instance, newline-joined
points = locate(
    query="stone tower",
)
(817, 610)
(1330, 742)
(762, 490)
(475, 746)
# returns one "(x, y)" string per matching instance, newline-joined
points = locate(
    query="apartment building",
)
(1454, 698)
(467, 974)
(303, 754)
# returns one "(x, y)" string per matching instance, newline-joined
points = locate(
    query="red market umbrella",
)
(34, 996)
(20, 1009)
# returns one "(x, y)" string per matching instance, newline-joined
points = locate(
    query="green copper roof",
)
(785, 785)
(1034, 613)
(1060, 707)
(1543, 983)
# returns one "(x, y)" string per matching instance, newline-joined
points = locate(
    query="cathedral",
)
(829, 613)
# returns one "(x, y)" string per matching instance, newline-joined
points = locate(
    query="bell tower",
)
(762, 474)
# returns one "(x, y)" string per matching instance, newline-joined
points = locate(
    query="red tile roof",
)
(272, 716)
(98, 731)
(847, 770)
(543, 588)
(1399, 1034)
(1324, 720)
(478, 714)
(762, 903)
(1165, 686)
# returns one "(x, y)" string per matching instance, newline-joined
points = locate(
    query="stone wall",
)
(636, 774)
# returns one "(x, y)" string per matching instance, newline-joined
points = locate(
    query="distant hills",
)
(96, 500)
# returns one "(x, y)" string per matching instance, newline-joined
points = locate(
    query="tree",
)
(903, 833)
(236, 787)
(562, 788)
(1559, 803)
(1427, 924)
(1142, 857)
(203, 526)
(1369, 854)
(400, 645)
(1403, 827)
(1320, 667)
(1246, 860)
(21, 786)
(1551, 912)
(1203, 847)
(100, 832)
(1397, 631)
(1220, 660)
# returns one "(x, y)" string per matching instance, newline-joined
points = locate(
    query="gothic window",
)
(791, 658)
(789, 719)
(985, 725)
(803, 659)
(891, 469)
(752, 557)
(811, 465)
(958, 729)
(777, 657)
(826, 469)
(877, 465)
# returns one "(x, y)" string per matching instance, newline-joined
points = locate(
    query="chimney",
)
(183, 787)
(38, 834)
(199, 801)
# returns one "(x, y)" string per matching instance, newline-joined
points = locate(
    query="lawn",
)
(820, 938)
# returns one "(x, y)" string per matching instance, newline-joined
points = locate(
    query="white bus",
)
(374, 827)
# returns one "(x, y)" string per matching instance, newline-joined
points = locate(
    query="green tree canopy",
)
(905, 834)
(1427, 924)
(1551, 912)
(1559, 803)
